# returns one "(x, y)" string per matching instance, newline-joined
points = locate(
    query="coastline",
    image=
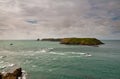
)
(18, 73)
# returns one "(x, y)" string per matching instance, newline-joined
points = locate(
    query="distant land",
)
(75, 41)
(52, 39)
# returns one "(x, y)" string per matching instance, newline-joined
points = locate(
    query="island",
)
(52, 39)
(76, 41)
(81, 41)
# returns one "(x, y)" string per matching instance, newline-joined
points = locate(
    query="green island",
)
(75, 41)
(52, 39)
(81, 41)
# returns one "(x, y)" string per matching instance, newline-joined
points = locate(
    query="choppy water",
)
(51, 60)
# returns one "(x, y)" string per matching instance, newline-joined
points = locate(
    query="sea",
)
(52, 60)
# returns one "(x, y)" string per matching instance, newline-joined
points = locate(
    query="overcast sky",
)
(32, 19)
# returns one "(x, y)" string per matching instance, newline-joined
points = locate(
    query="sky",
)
(32, 19)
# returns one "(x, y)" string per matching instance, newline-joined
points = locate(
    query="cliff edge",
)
(16, 74)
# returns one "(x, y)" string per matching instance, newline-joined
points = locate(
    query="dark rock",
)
(38, 39)
(18, 72)
(14, 75)
(10, 76)
(0, 76)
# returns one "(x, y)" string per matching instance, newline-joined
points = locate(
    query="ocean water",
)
(51, 60)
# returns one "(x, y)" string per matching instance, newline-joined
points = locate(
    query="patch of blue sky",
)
(114, 32)
(116, 18)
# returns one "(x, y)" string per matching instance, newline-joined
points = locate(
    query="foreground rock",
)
(17, 74)
(81, 41)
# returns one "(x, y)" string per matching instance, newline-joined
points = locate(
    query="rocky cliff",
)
(16, 74)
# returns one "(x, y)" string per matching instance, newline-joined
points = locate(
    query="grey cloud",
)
(59, 18)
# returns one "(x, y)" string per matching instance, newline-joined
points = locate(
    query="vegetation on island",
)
(75, 41)
(52, 39)
(81, 41)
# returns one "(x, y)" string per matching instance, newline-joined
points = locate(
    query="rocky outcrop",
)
(17, 74)
(0, 76)
(38, 39)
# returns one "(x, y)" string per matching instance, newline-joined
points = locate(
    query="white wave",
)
(27, 61)
(3, 67)
(73, 56)
(50, 70)
(11, 65)
(50, 48)
(1, 62)
(24, 74)
(34, 66)
(84, 54)
(3, 72)
(46, 50)
(2, 57)
(36, 57)
(57, 53)
(43, 51)
(54, 58)
(78, 53)
(88, 55)
(31, 54)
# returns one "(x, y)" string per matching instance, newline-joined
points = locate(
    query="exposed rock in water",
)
(14, 75)
(18, 72)
(38, 39)
(81, 41)
(0, 76)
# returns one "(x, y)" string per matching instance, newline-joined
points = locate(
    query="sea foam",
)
(57, 53)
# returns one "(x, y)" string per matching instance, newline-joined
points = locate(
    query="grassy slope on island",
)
(51, 39)
(81, 41)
